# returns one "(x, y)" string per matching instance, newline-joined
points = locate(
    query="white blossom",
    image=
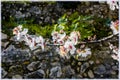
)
(58, 38)
(115, 57)
(63, 52)
(74, 36)
(31, 40)
(112, 4)
(114, 27)
(84, 53)
(24, 32)
(40, 42)
(70, 47)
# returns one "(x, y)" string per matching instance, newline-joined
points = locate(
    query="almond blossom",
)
(40, 42)
(74, 36)
(16, 31)
(84, 53)
(34, 42)
(112, 4)
(63, 52)
(58, 38)
(114, 26)
(31, 40)
(69, 46)
(115, 57)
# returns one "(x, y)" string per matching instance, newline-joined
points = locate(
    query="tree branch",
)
(100, 40)
(97, 41)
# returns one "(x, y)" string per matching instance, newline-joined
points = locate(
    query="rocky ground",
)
(20, 62)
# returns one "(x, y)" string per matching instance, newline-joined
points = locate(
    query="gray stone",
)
(35, 10)
(33, 66)
(68, 71)
(55, 64)
(84, 67)
(4, 73)
(85, 74)
(41, 72)
(47, 19)
(11, 54)
(91, 62)
(100, 69)
(17, 76)
(3, 36)
(4, 44)
(79, 76)
(115, 68)
(55, 72)
(79, 63)
(19, 14)
(35, 75)
(113, 72)
(90, 74)
(43, 65)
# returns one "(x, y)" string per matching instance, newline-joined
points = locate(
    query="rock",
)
(36, 51)
(33, 66)
(17, 76)
(68, 71)
(3, 36)
(84, 74)
(19, 15)
(35, 75)
(91, 62)
(79, 76)
(35, 10)
(47, 19)
(90, 74)
(84, 67)
(73, 63)
(87, 3)
(79, 63)
(113, 72)
(97, 61)
(15, 69)
(43, 55)
(55, 64)
(11, 54)
(100, 70)
(4, 73)
(4, 44)
(107, 66)
(55, 72)
(115, 68)
(41, 72)
(43, 65)
(78, 69)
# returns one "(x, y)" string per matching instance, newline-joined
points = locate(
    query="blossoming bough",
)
(67, 42)
(31, 40)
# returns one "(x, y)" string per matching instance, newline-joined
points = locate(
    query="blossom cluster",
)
(68, 44)
(115, 51)
(113, 4)
(31, 40)
(114, 26)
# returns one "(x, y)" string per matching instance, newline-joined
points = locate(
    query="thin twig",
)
(100, 40)
(97, 41)
(88, 42)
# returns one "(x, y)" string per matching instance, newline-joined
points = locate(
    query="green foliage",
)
(39, 30)
(77, 22)
(86, 25)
